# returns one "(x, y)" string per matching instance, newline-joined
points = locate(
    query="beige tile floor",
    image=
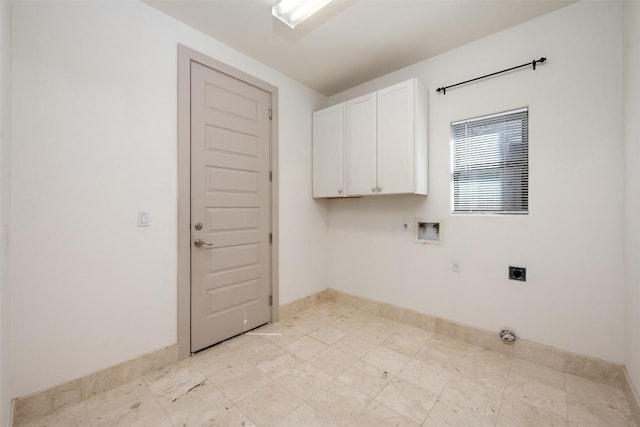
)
(333, 365)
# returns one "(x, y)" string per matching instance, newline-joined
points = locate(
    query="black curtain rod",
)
(532, 63)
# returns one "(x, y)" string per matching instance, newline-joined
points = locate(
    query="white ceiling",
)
(352, 41)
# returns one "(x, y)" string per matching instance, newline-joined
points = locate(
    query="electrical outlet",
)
(456, 266)
(518, 273)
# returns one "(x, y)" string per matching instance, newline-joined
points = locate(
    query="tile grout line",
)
(438, 397)
(158, 401)
(305, 401)
(231, 402)
(504, 391)
(566, 394)
(371, 399)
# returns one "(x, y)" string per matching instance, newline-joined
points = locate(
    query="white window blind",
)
(490, 164)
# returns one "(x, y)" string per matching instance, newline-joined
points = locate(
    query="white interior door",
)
(230, 207)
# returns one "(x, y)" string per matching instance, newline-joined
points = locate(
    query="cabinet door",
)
(328, 152)
(396, 156)
(361, 145)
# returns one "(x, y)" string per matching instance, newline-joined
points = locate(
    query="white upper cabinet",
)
(360, 148)
(328, 152)
(402, 140)
(384, 140)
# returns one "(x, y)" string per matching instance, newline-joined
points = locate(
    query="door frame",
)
(187, 55)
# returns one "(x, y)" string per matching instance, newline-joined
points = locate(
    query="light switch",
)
(143, 218)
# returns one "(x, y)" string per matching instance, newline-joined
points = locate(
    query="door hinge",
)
(270, 176)
(270, 237)
(270, 299)
(270, 114)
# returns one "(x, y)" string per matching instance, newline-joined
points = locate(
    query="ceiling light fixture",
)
(293, 12)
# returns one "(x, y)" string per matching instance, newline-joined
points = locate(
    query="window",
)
(490, 164)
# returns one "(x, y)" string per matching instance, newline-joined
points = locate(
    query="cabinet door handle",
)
(373, 189)
(379, 189)
(339, 190)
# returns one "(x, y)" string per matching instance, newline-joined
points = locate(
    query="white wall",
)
(5, 188)
(571, 242)
(303, 221)
(632, 188)
(94, 108)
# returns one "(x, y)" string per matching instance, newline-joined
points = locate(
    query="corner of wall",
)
(632, 189)
(5, 186)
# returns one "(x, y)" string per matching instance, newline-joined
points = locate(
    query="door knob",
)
(198, 243)
(198, 226)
